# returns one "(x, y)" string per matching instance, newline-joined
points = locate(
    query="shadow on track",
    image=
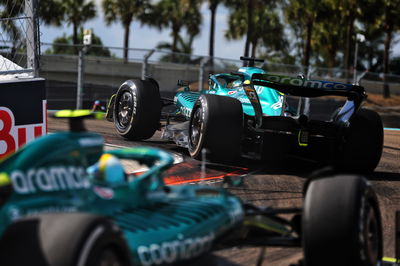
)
(383, 176)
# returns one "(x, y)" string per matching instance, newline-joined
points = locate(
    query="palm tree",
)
(177, 15)
(267, 28)
(50, 12)
(351, 7)
(212, 6)
(302, 16)
(391, 23)
(326, 38)
(96, 49)
(77, 12)
(125, 11)
(352, 11)
(246, 19)
(10, 9)
(183, 48)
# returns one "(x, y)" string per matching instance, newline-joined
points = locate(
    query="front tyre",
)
(341, 223)
(64, 239)
(137, 109)
(216, 124)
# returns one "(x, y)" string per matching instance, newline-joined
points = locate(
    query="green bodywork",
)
(231, 85)
(160, 224)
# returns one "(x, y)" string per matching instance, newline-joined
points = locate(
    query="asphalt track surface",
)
(266, 186)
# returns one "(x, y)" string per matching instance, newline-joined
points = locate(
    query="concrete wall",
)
(103, 77)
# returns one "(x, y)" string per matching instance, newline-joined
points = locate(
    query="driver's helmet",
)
(5, 188)
(236, 83)
(108, 169)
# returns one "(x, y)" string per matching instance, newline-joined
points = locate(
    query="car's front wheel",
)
(341, 223)
(64, 239)
(216, 125)
(137, 109)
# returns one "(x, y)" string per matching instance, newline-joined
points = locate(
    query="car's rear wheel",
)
(341, 222)
(361, 149)
(64, 239)
(216, 125)
(137, 109)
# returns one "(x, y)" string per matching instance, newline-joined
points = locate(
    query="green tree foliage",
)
(64, 45)
(76, 13)
(370, 56)
(50, 12)
(353, 13)
(176, 15)
(391, 24)
(302, 16)
(12, 8)
(325, 31)
(349, 10)
(267, 27)
(245, 20)
(124, 11)
(183, 50)
(327, 37)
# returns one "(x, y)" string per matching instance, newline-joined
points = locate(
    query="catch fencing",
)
(19, 38)
(23, 105)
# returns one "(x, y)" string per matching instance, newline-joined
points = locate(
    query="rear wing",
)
(308, 87)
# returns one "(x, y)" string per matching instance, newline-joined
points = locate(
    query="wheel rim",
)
(109, 258)
(124, 109)
(372, 235)
(195, 128)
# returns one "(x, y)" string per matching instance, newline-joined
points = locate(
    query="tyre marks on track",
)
(189, 172)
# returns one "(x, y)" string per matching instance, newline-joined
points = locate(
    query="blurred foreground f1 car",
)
(245, 113)
(65, 201)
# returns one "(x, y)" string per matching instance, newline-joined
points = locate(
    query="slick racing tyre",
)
(216, 124)
(341, 223)
(69, 239)
(137, 109)
(361, 149)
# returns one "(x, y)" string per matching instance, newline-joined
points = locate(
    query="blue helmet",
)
(108, 169)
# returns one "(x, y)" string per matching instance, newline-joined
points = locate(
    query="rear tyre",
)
(362, 147)
(137, 109)
(341, 223)
(216, 124)
(74, 239)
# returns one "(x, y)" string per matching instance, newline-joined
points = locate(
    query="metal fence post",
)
(355, 63)
(32, 36)
(307, 99)
(81, 74)
(145, 63)
(203, 63)
(359, 39)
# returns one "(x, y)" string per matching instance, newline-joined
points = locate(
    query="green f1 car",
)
(246, 113)
(65, 201)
